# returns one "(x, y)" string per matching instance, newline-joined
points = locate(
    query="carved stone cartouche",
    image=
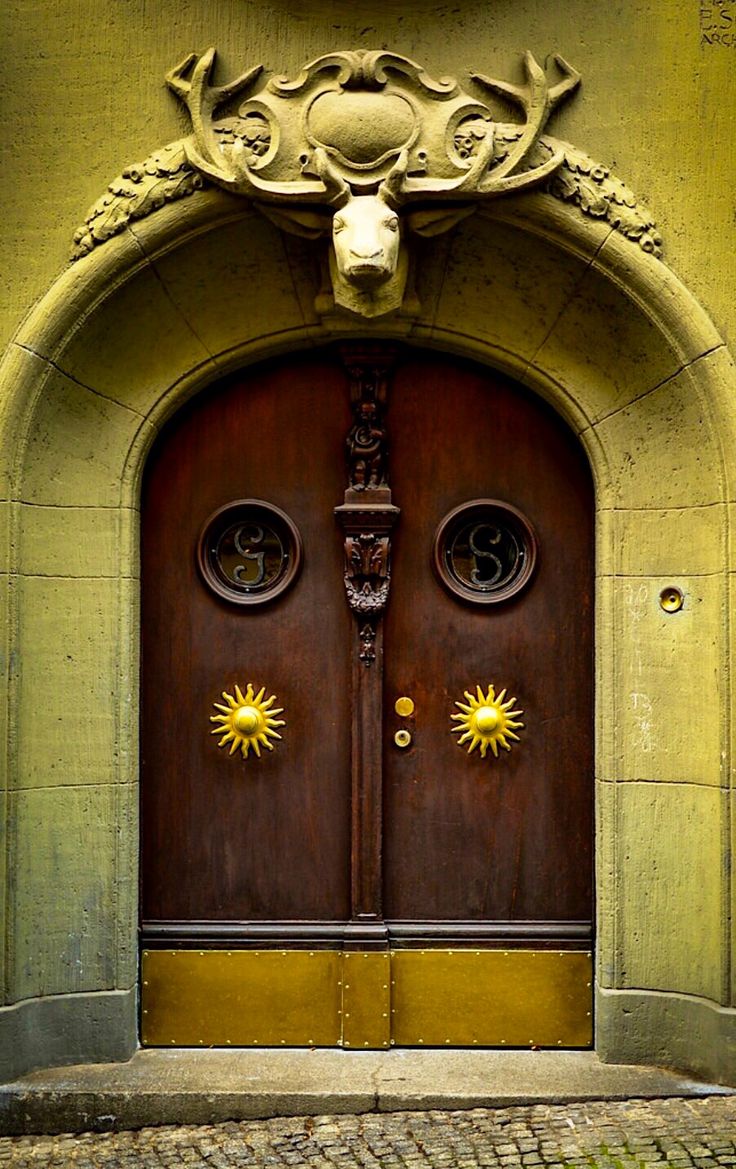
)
(346, 149)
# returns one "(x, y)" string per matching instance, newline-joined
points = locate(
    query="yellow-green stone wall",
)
(607, 335)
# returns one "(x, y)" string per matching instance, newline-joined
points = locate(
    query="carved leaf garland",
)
(246, 140)
(139, 191)
(601, 195)
(166, 176)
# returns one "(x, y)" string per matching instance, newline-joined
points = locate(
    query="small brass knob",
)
(402, 739)
(404, 707)
(486, 719)
(247, 719)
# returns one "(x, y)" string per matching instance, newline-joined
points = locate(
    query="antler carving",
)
(537, 100)
(521, 93)
(232, 169)
(203, 101)
(332, 189)
(356, 137)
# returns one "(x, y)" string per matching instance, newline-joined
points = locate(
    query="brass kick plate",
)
(241, 998)
(492, 998)
(366, 1000)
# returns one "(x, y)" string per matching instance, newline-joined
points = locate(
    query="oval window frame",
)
(448, 528)
(223, 518)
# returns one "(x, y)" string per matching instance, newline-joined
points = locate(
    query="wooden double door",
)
(366, 811)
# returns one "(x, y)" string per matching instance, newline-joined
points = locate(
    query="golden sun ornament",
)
(247, 721)
(487, 721)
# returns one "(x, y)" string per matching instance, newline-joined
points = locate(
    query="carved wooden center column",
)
(367, 517)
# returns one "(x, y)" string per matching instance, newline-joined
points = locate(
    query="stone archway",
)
(604, 332)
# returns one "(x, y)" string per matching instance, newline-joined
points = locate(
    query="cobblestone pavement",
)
(615, 1135)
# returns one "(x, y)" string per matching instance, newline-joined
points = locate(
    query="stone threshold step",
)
(188, 1086)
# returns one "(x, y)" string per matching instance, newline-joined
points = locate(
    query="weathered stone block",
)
(669, 932)
(668, 685)
(72, 896)
(688, 541)
(134, 364)
(233, 285)
(76, 541)
(662, 451)
(78, 446)
(602, 352)
(67, 674)
(526, 280)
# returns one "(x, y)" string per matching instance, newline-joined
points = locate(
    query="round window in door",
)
(485, 551)
(249, 552)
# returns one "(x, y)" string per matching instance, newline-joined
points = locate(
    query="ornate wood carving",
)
(367, 517)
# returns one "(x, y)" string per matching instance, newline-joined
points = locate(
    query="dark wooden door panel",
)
(225, 838)
(466, 837)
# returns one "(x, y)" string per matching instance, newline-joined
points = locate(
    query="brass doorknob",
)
(247, 720)
(486, 720)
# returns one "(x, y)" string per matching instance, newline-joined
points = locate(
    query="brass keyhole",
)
(402, 739)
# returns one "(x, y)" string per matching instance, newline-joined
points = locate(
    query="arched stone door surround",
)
(613, 341)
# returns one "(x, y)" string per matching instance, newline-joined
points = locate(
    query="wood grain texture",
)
(464, 839)
(222, 837)
(507, 838)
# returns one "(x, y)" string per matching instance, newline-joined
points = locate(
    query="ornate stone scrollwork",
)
(367, 148)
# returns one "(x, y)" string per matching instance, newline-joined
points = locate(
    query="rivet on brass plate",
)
(404, 707)
(402, 739)
(671, 599)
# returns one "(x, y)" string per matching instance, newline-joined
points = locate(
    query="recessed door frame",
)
(517, 920)
(621, 349)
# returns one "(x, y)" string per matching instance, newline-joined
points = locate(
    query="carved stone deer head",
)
(335, 190)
